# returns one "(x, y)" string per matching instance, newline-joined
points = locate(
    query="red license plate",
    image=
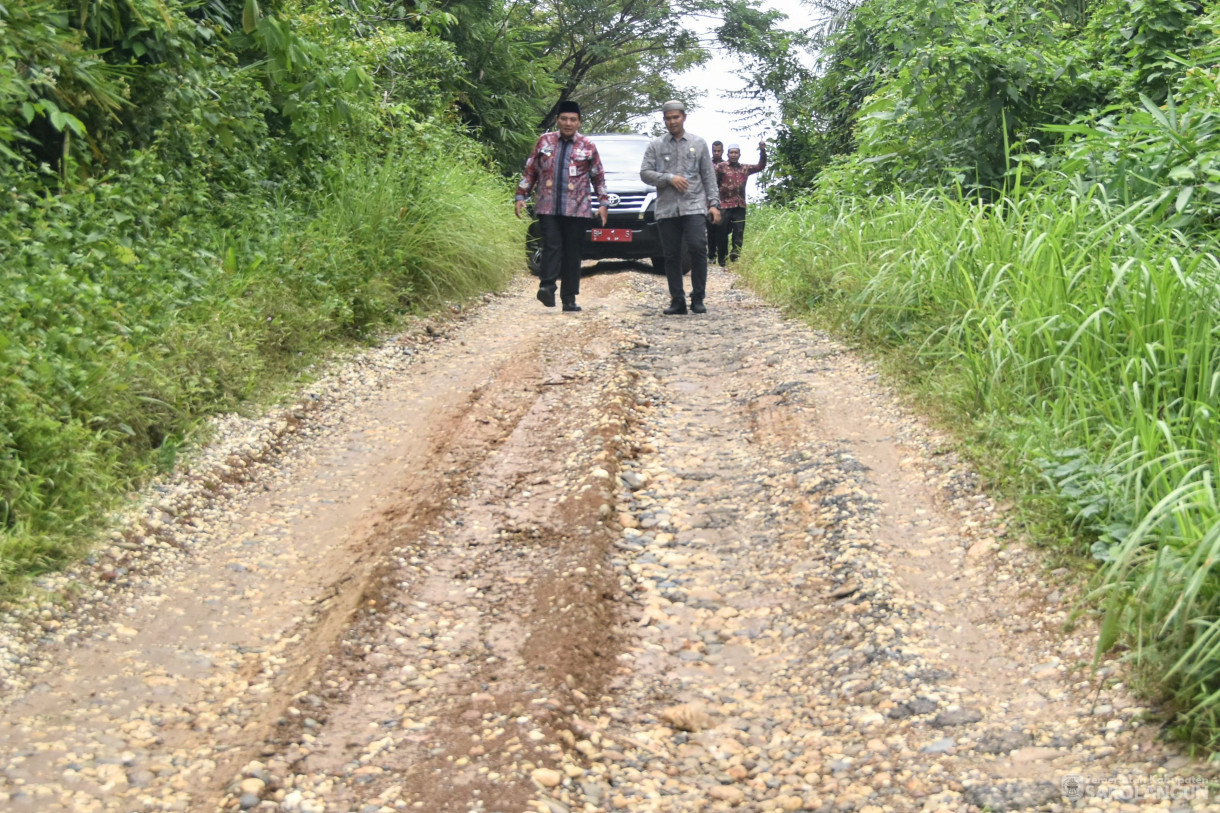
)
(612, 235)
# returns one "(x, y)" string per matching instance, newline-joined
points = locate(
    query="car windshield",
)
(621, 155)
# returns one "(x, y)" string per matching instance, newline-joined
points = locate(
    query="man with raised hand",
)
(731, 175)
(679, 165)
(561, 168)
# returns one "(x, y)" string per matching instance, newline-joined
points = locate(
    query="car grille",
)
(633, 204)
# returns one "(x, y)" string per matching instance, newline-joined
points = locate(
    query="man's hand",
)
(715, 213)
(603, 212)
(520, 206)
(680, 183)
(762, 145)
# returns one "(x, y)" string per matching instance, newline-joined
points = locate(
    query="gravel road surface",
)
(521, 560)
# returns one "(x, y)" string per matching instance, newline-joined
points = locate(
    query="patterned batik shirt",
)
(732, 180)
(689, 157)
(543, 173)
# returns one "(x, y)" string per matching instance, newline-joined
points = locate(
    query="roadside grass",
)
(1075, 348)
(132, 313)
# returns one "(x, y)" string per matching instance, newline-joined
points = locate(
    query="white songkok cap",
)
(673, 104)
(734, 147)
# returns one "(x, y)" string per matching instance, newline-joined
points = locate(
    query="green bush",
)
(912, 95)
(131, 312)
(1164, 156)
(200, 201)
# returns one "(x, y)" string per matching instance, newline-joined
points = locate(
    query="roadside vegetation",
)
(1017, 203)
(183, 231)
(202, 198)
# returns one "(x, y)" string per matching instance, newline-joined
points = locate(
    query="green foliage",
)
(201, 199)
(775, 71)
(591, 46)
(1165, 156)
(513, 62)
(1139, 42)
(50, 83)
(772, 50)
(963, 85)
(122, 328)
(915, 95)
(615, 93)
(507, 83)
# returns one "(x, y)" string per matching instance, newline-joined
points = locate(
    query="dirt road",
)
(533, 561)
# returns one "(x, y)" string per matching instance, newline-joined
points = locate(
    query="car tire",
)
(533, 248)
(658, 262)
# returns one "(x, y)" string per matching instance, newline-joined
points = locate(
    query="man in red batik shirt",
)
(732, 175)
(561, 168)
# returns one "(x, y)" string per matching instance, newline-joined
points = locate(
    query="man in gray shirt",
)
(679, 165)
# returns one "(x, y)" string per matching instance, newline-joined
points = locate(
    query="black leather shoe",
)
(697, 307)
(675, 308)
(546, 297)
(571, 306)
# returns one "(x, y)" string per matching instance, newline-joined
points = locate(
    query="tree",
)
(616, 93)
(925, 92)
(520, 60)
(775, 58)
(507, 79)
(618, 55)
(815, 76)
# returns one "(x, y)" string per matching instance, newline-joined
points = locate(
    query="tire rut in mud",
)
(457, 447)
(486, 630)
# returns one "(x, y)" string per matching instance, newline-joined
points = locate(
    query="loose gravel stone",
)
(956, 717)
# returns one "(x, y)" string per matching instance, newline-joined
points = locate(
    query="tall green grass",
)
(134, 308)
(1086, 345)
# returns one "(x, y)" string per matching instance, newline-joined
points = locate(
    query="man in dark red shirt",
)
(732, 175)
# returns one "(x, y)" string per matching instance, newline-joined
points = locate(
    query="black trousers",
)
(734, 221)
(562, 239)
(691, 229)
(717, 247)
